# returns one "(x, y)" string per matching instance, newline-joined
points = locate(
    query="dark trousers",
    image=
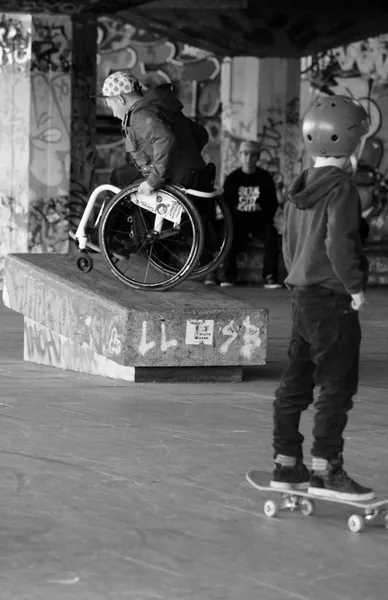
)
(259, 227)
(324, 351)
(125, 175)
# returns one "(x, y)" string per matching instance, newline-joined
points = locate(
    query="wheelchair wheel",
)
(218, 236)
(218, 227)
(164, 228)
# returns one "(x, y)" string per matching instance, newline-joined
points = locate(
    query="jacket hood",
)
(314, 184)
(161, 99)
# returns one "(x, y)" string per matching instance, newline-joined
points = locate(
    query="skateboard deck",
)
(296, 499)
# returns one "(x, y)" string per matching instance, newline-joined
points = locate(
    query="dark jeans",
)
(245, 223)
(324, 351)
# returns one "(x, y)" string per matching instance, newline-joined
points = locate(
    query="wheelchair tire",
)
(201, 271)
(142, 246)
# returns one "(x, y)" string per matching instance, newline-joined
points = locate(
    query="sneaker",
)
(336, 483)
(210, 279)
(226, 284)
(271, 283)
(289, 478)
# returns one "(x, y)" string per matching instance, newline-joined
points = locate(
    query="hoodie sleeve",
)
(343, 238)
(285, 242)
(160, 136)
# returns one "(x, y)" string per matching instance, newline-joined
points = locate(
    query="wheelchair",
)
(155, 242)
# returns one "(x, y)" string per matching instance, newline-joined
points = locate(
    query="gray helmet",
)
(334, 125)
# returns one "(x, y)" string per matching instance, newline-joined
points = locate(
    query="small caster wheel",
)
(85, 263)
(356, 523)
(307, 507)
(270, 508)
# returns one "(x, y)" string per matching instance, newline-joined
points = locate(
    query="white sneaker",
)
(210, 279)
(271, 283)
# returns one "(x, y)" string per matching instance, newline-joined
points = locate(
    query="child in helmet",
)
(327, 274)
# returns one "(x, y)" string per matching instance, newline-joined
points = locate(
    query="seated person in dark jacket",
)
(251, 194)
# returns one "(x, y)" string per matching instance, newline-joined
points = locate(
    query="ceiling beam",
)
(194, 5)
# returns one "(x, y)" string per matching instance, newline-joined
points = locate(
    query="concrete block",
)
(378, 263)
(95, 324)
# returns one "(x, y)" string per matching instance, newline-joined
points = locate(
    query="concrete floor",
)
(136, 491)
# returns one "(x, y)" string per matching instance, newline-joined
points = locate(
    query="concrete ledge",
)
(45, 347)
(378, 263)
(95, 324)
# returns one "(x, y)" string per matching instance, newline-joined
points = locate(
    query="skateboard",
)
(296, 499)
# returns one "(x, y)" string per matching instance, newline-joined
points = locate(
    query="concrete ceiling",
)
(274, 28)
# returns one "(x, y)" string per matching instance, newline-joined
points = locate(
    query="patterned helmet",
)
(334, 125)
(120, 82)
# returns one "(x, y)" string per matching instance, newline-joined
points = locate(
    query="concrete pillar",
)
(47, 119)
(260, 101)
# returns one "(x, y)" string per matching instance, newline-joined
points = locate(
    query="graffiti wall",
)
(266, 110)
(15, 59)
(47, 78)
(50, 114)
(194, 74)
(62, 159)
(360, 70)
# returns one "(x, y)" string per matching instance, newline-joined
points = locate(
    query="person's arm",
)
(230, 190)
(270, 202)
(343, 237)
(160, 136)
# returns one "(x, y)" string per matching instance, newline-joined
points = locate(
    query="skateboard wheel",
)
(85, 263)
(270, 508)
(356, 523)
(307, 507)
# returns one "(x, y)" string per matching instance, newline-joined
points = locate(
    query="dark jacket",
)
(321, 242)
(164, 144)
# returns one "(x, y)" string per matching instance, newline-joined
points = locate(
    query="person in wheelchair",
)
(164, 145)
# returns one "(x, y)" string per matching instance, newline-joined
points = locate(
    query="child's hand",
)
(358, 301)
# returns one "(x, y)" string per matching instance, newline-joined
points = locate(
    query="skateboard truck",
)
(298, 500)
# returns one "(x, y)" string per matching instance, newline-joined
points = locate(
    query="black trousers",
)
(324, 351)
(259, 227)
(125, 175)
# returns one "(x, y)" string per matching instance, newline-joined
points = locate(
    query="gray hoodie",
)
(321, 243)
